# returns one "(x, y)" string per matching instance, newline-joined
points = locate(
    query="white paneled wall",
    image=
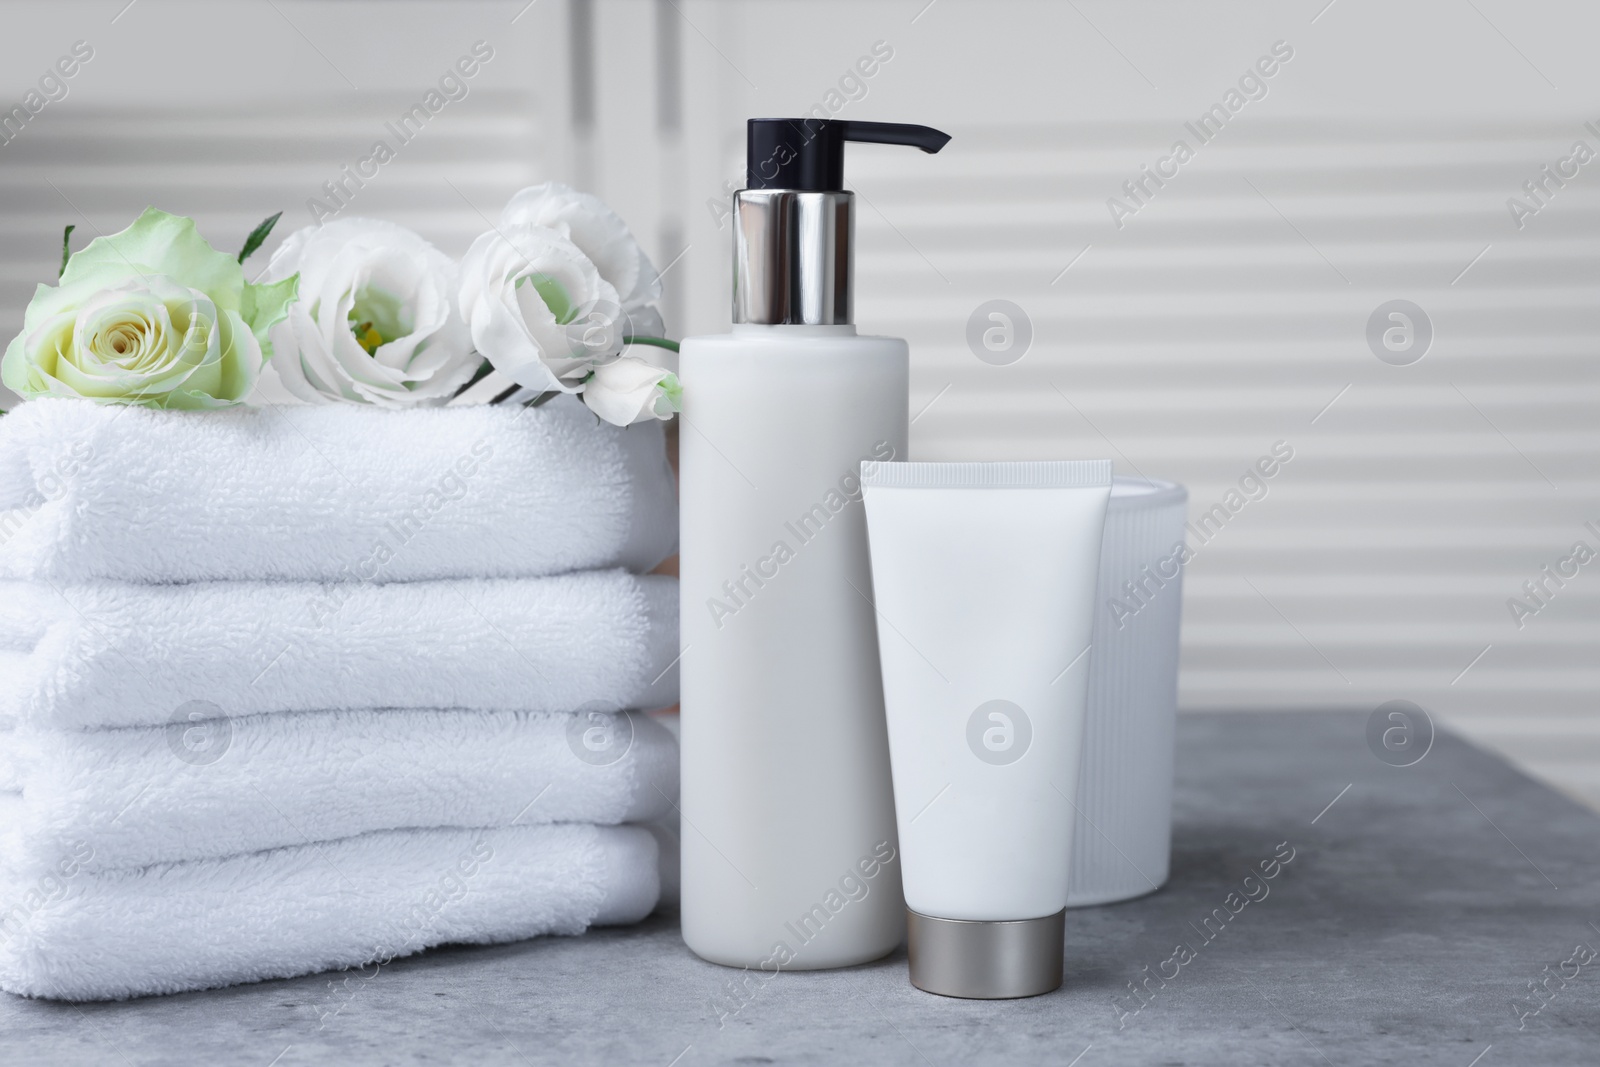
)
(1378, 562)
(1227, 314)
(92, 167)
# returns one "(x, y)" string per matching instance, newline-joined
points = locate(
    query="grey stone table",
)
(1419, 905)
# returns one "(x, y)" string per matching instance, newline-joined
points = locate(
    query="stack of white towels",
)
(296, 689)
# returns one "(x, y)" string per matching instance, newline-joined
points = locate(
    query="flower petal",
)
(626, 391)
(591, 225)
(171, 245)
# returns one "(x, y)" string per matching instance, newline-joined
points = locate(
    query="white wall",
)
(1231, 310)
(1227, 314)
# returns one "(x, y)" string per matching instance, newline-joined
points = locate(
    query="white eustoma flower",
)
(376, 322)
(588, 223)
(551, 294)
(537, 307)
(630, 390)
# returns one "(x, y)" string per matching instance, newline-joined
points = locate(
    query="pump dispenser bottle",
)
(789, 850)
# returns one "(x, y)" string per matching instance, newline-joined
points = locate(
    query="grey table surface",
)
(1415, 913)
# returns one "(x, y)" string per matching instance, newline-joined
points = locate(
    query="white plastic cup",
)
(1123, 841)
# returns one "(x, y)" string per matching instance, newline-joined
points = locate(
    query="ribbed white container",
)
(1123, 840)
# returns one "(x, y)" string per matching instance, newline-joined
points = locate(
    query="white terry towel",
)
(112, 654)
(138, 796)
(76, 935)
(330, 492)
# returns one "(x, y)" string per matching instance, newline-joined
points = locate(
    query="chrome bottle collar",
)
(792, 257)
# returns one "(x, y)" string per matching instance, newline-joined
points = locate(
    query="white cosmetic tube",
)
(984, 578)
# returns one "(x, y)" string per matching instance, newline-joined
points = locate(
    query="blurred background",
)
(1377, 255)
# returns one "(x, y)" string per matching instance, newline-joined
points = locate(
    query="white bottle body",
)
(790, 857)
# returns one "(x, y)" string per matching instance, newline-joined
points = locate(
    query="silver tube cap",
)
(792, 257)
(986, 960)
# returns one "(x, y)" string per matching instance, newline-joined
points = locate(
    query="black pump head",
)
(807, 155)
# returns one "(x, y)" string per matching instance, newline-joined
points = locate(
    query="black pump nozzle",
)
(807, 155)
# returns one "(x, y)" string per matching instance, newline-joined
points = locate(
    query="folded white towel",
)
(145, 795)
(75, 935)
(110, 654)
(328, 493)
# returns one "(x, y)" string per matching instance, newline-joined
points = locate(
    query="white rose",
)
(605, 239)
(629, 390)
(376, 321)
(152, 316)
(537, 307)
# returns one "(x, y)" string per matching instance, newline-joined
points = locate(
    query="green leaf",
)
(66, 250)
(258, 236)
(266, 305)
